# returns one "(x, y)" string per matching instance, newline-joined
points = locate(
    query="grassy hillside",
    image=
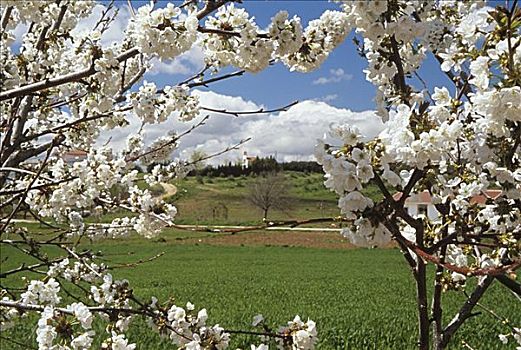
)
(205, 200)
(224, 200)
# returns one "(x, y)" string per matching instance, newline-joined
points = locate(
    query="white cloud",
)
(116, 31)
(339, 72)
(335, 76)
(189, 62)
(19, 31)
(327, 98)
(291, 135)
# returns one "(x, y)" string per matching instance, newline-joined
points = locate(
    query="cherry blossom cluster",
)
(295, 335)
(107, 68)
(236, 40)
(188, 329)
(162, 32)
(91, 182)
(388, 33)
(303, 334)
(245, 50)
(455, 146)
(152, 107)
(71, 327)
(287, 34)
(71, 271)
(321, 37)
(42, 14)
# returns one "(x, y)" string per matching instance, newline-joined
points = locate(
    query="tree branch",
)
(466, 310)
(6, 16)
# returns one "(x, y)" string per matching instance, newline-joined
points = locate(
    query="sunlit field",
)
(360, 298)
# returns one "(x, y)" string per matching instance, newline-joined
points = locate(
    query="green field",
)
(224, 200)
(198, 197)
(360, 299)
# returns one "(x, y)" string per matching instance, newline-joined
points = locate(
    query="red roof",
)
(482, 198)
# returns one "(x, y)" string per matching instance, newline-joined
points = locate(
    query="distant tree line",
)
(302, 166)
(257, 166)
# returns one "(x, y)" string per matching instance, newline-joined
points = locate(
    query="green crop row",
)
(360, 299)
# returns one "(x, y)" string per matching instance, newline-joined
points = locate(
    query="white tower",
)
(245, 160)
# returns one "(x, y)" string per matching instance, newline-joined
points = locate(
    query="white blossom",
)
(82, 313)
(162, 32)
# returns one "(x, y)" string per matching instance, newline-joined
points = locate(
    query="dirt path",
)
(216, 228)
(327, 240)
(170, 190)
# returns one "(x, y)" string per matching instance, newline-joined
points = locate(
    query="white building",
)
(421, 203)
(246, 161)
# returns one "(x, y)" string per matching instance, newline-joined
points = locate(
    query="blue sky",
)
(335, 93)
(277, 86)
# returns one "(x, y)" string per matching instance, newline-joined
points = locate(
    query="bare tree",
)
(197, 158)
(269, 191)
